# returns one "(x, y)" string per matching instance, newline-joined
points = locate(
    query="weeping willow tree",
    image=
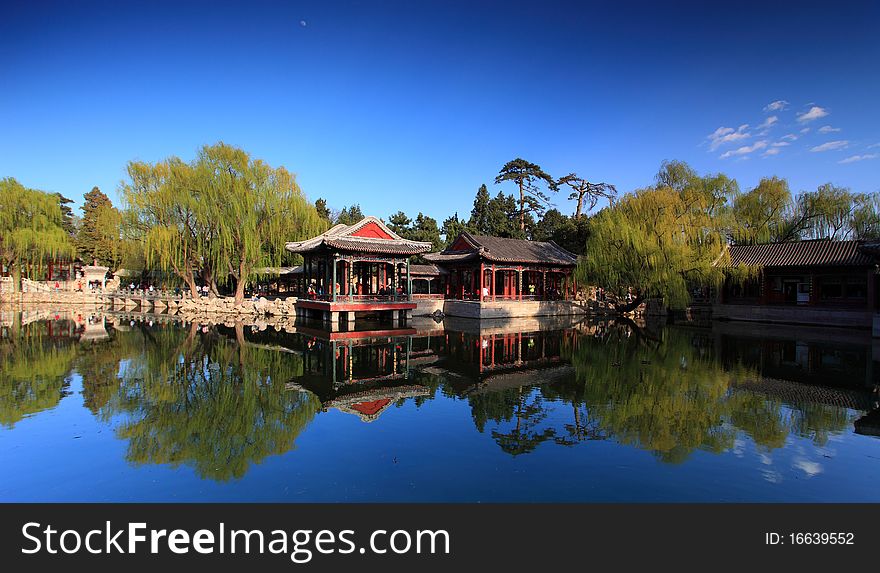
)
(31, 228)
(254, 210)
(162, 211)
(664, 240)
(770, 212)
(218, 218)
(208, 402)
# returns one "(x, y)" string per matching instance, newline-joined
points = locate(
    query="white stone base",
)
(502, 309)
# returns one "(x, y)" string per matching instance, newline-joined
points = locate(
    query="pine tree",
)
(399, 223)
(323, 210)
(90, 243)
(528, 177)
(452, 228)
(479, 221)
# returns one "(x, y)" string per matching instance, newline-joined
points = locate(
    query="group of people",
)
(150, 289)
(315, 290)
(388, 291)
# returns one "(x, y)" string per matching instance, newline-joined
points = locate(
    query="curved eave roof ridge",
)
(341, 232)
(818, 252)
(563, 250)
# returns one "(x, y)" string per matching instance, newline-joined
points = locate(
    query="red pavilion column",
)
(493, 283)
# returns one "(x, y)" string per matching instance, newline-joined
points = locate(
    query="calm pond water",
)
(119, 408)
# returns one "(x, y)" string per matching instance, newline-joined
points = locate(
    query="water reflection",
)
(219, 399)
(35, 360)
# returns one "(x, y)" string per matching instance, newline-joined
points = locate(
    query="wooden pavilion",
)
(484, 268)
(362, 267)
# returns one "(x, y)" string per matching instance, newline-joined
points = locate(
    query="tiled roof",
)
(297, 270)
(501, 250)
(342, 237)
(801, 254)
(450, 256)
(426, 270)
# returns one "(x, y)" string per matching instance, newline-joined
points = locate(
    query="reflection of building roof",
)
(797, 392)
(869, 424)
(426, 271)
(369, 235)
(368, 405)
(501, 250)
(801, 254)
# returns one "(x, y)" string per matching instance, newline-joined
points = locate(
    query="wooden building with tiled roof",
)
(480, 267)
(362, 267)
(814, 273)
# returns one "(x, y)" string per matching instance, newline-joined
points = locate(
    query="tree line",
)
(219, 219)
(216, 220)
(530, 216)
(662, 240)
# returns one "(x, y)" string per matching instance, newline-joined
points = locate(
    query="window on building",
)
(831, 289)
(856, 288)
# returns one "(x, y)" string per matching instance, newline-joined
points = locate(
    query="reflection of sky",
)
(809, 468)
(435, 452)
(417, 453)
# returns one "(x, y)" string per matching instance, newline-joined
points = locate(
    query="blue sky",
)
(412, 105)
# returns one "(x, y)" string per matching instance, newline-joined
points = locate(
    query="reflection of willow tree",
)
(519, 413)
(34, 371)
(818, 421)
(98, 365)
(211, 403)
(670, 398)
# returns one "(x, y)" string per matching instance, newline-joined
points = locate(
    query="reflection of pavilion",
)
(495, 360)
(369, 404)
(331, 359)
(94, 329)
(362, 373)
(505, 351)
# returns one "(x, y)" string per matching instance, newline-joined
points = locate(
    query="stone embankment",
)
(209, 306)
(60, 299)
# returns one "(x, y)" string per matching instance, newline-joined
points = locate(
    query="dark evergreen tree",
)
(67, 218)
(530, 179)
(350, 215)
(452, 228)
(323, 210)
(425, 228)
(479, 221)
(91, 238)
(400, 223)
(503, 218)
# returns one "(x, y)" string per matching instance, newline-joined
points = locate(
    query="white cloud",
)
(777, 105)
(767, 124)
(854, 158)
(805, 130)
(779, 144)
(745, 150)
(771, 151)
(873, 145)
(831, 145)
(814, 112)
(724, 135)
(789, 137)
(828, 129)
